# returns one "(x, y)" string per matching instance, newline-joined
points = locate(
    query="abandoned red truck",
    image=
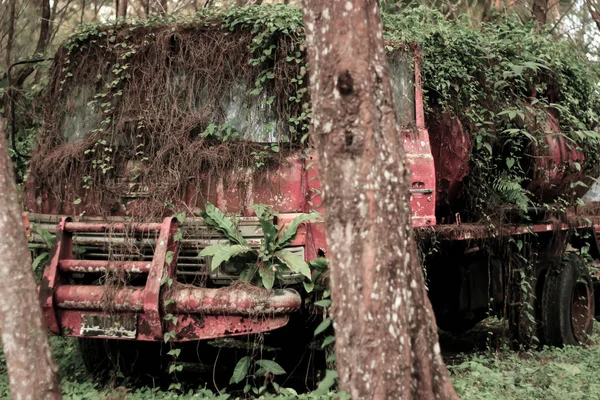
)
(104, 281)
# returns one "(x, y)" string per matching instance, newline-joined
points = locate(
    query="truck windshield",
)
(249, 117)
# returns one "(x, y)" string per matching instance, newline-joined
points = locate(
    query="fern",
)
(510, 190)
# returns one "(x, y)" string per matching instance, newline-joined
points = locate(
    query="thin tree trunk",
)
(122, 9)
(594, 13)
(386, 336)
(540, 11)
(42, 43)
(32, 374)
(11, 32)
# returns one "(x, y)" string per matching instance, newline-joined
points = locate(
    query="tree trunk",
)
(42, 43)
(594, 13)
(540, 11)
(11, 32)
(122, 9)
(386, 336)
(32, 374)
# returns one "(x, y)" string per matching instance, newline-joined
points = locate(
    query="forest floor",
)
(481, 367)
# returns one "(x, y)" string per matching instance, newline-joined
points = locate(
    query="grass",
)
(550, 373)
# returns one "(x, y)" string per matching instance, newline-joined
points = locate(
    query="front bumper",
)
(161, 306)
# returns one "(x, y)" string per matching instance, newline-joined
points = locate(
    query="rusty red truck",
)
(128, 163)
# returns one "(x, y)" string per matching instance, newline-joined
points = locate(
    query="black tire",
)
(568, 303)
(106, 359)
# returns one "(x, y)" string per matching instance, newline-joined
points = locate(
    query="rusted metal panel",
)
(116, 326)
(419, 159)
(194, 327)
(189, 327)
(50, 278)
(87, 297)
(26, 224)
(481, 231)
(419, 109)
(235, 300)
(160, 267)
(554, 168)
(246, 301)
(95, 266)
(111, 227)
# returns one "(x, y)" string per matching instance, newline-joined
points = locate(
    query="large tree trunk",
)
(32, 374)
(386, 336)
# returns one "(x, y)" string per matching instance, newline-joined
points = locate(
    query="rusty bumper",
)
(187, 300)
(197, 313)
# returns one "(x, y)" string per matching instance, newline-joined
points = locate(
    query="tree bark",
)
(32, 373)
(11, 32)
(594, 13)
(539, 10)
(42, 43)
(386, 336)
(122, 9)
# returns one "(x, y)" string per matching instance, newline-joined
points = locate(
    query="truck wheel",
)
(104, 359)
(568, 303)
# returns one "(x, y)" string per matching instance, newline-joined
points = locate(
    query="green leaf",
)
(174, 352)
(322, 326)
(180, 217)
(327, 341)
(46, 236)
(294, 262)
(77, 201)
(308, 286)
(289, 234)
(270, 232)
(271, 366)
(320, 264)
(323, 303)
(510, 162)
(268, 276)
(327, 383)
(240, 371)
(488, 147)
(38, 260)
(169, 257)
(221, 253)
(248, 274)
(216, 219)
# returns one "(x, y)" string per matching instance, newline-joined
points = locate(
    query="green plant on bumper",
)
(270, 259)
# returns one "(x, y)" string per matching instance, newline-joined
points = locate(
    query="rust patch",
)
(188, 332)
(144, 328)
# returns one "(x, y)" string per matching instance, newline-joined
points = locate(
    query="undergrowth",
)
(550, 373)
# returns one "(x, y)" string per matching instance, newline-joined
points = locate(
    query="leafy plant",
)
(268, 261)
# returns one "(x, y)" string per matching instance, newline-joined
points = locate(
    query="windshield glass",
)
(248, 117)
(402, 77)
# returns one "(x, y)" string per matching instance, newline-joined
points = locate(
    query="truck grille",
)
(129, 246)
